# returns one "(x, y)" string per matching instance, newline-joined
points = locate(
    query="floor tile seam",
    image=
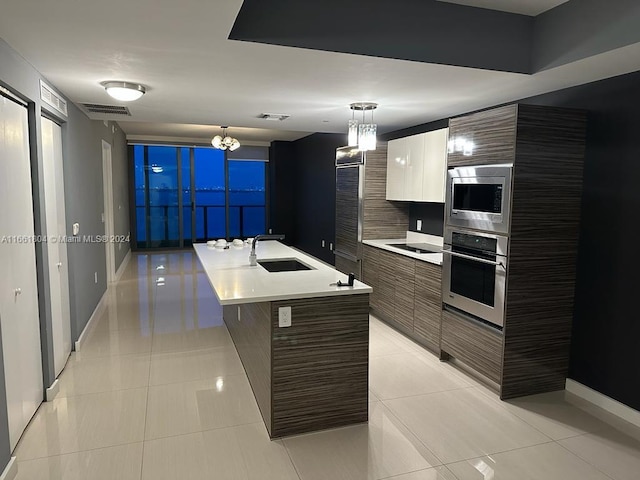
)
(95, 357)
(580, 457)
(204, 430)
(501, 405)
(52, 402)
(203, 349)
(199, 380)
(99, 392)
(498, 452)
(85, 362)
(415, 435)
(146, 410)
(295, 467)
(190, 350)
(421, 394)
(23, 460)
(420, 470)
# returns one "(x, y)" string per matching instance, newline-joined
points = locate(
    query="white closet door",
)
(56, 229)
(18, 295)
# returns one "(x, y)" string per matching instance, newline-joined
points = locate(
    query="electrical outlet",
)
(419, 225)
(102, 217)
(270, 231)
(284, 316)
(95, 277)
(322, 243)
(76, 229)
(331, 246)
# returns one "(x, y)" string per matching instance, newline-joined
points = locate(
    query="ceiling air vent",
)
(49, 96)
(274, 116)
(106, 109)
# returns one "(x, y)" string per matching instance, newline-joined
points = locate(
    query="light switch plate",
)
(284, 316)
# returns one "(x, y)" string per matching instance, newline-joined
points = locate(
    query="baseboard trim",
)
(102, 304)
(123, 266)
(600, 400)
(52, 391)
(11, 470)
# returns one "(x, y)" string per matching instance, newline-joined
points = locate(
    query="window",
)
(187, 194)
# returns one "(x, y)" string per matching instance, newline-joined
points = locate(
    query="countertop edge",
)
(382, 245)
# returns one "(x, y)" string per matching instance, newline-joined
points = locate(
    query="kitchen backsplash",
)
(432, 216)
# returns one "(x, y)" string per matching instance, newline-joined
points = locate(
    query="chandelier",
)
(224, 141)
(362, 134)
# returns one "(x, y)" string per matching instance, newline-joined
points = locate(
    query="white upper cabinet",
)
(397, 153)
(434, 176)
(416, 167)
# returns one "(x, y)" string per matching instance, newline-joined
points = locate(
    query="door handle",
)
(59, 265)
(17, 291)
(475, 259)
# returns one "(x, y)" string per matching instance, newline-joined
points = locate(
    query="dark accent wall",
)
(432, 216)
(606, 325)
(315, 193)
(282, 186)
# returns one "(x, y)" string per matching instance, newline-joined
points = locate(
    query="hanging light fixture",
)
(353, 129)
(366, 132)
(124, 91)
(224, 141)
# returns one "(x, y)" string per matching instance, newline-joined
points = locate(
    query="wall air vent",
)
(274, 116)
(49, 96)
(106, 109)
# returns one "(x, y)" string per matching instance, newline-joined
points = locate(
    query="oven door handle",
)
(475, 259)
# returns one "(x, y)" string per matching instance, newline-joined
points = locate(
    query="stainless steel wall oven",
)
(474, 273)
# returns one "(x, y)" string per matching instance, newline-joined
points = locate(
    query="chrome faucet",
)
(253, 259)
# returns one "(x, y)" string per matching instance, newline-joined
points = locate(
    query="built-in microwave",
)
(479, 197)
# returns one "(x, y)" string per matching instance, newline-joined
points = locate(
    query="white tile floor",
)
(158, 393)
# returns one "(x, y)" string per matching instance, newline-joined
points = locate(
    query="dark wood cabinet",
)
(492, 137)
(546, 146)
(473, 343)
(428, 303)
(404, 280)
(406, 293)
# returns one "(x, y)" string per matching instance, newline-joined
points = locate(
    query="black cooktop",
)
(414, 248)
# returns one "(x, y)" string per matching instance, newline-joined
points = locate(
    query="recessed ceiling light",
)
(124, 91)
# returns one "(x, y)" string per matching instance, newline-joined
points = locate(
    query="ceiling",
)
(524, 7)
(198, 79)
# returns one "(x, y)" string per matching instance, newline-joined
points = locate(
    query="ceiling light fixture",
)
(366, 136)
(124, 91)
(224, 141)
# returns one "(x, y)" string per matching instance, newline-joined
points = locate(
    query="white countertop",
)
(435, 258)
(235, 282)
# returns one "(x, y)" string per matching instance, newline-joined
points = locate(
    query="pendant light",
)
(367, 132)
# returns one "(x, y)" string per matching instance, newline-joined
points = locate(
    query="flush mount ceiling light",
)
(124, 91)
(224, 141)
(363, 134)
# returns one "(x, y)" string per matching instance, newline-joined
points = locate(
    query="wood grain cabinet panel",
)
(404, 282)
(386, 285)
(370, 274)
(474, 344)
(492, 134)
(427, 315)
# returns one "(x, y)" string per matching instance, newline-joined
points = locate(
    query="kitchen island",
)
(303, 340)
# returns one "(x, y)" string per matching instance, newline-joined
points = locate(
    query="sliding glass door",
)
(190, 194)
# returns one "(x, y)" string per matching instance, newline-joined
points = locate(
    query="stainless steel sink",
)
(284, 265)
